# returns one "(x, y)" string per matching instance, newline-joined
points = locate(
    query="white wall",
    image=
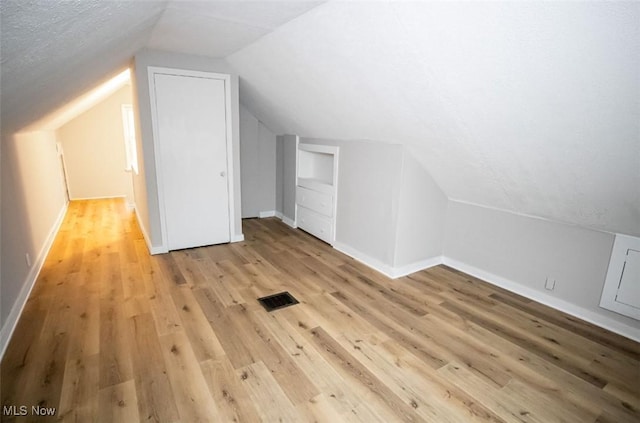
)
(267, 169)
(249, 164)
(421, 217)
(289, 152)
(520, 252)
(369, 175)
(258, 166)
(94, 151)
(279, 175)
(145, 184)
(139, 180)
(33, 203)
(390, 212)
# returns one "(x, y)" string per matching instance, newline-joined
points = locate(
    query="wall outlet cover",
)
(550, 284)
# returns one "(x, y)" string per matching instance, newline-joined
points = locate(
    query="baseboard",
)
(363, 258)
(532, 294)
(157, 250)
(97, 198)
(279, 215)
(14, 315)
(160, 250)
(152, 250)
(548, 300)
(408, 269)
(389, 271)
(264, 214)
(289, 222)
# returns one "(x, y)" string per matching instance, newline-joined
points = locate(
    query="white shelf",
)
(316, 195)
(316, 148)
(316, 165)
(316, 185)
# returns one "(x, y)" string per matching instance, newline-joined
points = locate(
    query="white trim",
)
(264, 214)
(608, 300)
(532, 294)
(18, 306)
(294, 223)
(152, 250)
(553, 302)
(334, 218)
(289, 222)
(97, 198)
(318, 148)
(389, 271)
(151, 72)
(408, 269)
(311, 184)
(233, 236)
(373, 263)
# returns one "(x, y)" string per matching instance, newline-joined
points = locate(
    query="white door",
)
(192, 139)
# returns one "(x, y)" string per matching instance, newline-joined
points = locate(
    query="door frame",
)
(151, 72)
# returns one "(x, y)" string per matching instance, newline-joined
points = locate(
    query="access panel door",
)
(629, 287)
(621, 292)
(192, 139)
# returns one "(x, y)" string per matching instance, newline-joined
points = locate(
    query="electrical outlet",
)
(27, 258)
(550, 284)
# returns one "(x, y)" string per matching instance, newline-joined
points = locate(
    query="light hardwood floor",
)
(111, 333)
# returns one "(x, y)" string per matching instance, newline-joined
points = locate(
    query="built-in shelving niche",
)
(316, 191)
(317, 167)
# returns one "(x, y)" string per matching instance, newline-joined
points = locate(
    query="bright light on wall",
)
(129, 138)
(81, 104)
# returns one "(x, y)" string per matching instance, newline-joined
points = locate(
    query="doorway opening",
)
(97, 143)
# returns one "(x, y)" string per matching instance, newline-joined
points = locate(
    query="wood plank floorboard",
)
(110, 333)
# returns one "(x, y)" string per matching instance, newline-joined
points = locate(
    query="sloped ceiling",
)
(531, 107)
(54, 50)
(218, 28)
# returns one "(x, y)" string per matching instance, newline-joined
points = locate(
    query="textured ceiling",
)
(54, 50)
(218, 28)
(531, 107)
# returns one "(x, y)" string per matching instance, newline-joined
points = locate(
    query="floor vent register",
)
(277, 301)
